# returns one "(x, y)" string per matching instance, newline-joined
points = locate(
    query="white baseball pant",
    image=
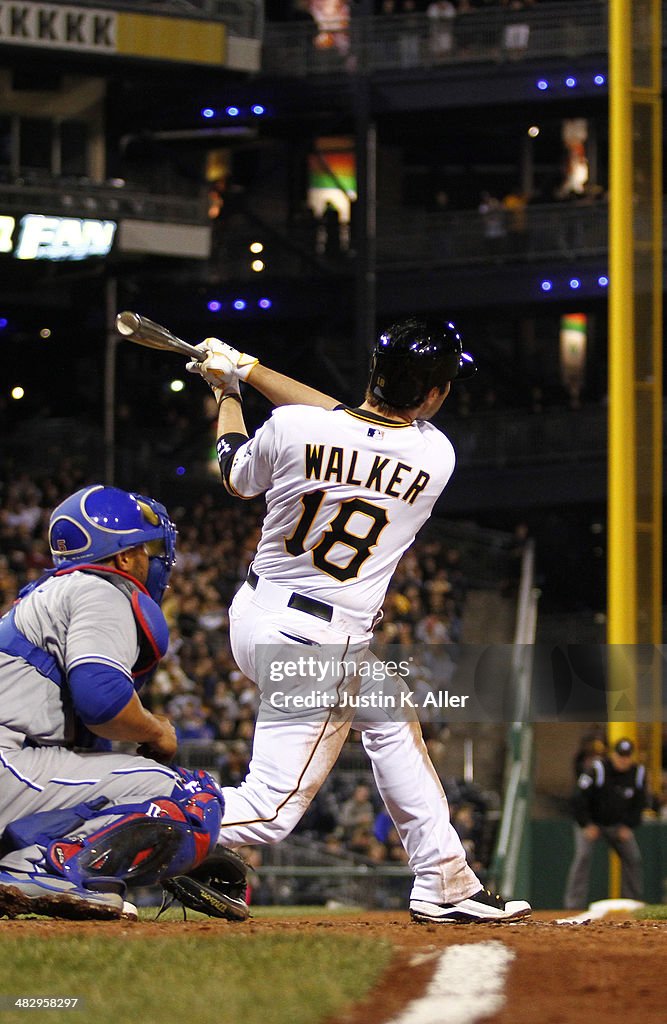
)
(293, 752)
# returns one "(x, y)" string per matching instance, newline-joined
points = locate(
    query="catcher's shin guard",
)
(150, 841)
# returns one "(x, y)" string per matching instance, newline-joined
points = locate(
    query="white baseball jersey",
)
(346, 492)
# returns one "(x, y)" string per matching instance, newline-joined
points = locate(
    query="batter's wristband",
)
(229, 394)
(226, 448)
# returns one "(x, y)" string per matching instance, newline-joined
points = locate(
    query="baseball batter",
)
(346, 491)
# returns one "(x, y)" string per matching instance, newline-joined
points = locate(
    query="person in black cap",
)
(592, 747)
(608, 802)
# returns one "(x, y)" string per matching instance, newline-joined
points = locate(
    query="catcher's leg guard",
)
(150, 841)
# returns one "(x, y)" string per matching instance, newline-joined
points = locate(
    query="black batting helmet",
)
(413, 356)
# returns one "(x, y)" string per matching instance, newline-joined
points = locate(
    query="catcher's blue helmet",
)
(415, 355)
(97, 522)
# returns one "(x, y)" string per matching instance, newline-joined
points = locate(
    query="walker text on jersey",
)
(384, 475)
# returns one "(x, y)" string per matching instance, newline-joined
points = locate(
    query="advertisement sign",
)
(37, 237)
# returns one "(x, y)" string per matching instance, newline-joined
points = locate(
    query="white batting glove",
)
(217, 369)
(223, 367)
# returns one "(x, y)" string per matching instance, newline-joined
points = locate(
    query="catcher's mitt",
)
(217, 887)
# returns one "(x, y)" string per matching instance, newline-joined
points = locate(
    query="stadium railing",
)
(387, 43)
(413, 236)
(508, 872)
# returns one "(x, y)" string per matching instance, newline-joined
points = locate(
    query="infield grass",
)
(308, 913)
(652, 912)
(189, 979)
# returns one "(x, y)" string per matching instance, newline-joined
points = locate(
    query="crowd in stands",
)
(288, 10)
(454, 27)
(212, 704)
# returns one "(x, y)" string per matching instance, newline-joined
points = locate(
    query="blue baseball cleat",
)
(57, 897)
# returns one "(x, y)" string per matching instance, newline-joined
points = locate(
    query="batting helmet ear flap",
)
(467, 367)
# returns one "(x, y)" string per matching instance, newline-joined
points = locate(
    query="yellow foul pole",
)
(634, 604)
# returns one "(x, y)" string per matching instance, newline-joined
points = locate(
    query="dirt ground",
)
(609, 970)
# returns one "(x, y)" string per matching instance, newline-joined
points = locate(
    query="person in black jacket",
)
(608, 803)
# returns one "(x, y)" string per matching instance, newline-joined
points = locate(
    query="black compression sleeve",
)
(226, 448)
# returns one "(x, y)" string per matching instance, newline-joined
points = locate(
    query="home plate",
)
(601, 909)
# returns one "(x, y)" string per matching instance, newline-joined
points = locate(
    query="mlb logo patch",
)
(376, 433)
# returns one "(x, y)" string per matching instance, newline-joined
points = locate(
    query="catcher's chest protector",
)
(152, 628)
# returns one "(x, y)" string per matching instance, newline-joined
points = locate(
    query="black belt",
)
(299, 602)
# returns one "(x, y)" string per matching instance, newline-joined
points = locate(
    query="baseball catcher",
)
(78, 821)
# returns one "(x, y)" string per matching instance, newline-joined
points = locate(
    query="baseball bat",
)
(143, 331)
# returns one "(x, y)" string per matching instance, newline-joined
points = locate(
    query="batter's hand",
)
(224, 366)
(217, 369)
(242, 362)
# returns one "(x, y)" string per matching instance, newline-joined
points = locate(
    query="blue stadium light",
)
(239, 303)
(258, 109)
(180, 471)
(575, 283)
(3, 322)
(542, 84)
(214, 306)
(232, 111)
(570, 82)
(208, 112)
(546, 286)
(603, 281)
(265, 303)
(599, 79)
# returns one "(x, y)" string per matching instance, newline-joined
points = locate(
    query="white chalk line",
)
(467, 985)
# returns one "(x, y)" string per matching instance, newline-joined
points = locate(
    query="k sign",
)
(111, 33)
(58, 26)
